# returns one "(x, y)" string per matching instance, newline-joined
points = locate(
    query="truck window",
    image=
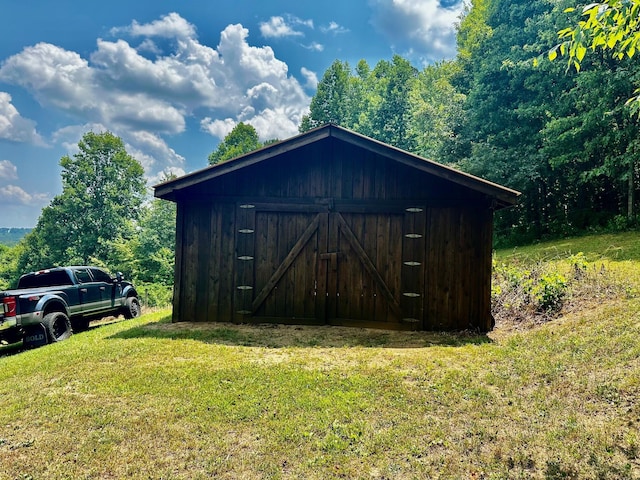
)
(45, 279)
(82, 276)
(100, 275)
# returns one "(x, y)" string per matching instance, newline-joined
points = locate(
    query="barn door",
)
(342, 268)
(375, 274)
(286, 250)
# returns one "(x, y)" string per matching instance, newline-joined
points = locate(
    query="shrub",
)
(549, 291)
(154, 294)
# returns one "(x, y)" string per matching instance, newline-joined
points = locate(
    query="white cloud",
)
(149, 46)
(279, 122)
(8, 171)
(315, 46)
(143, 99)
(334, 28)
(152, 152)
(277, 27)
(148, 148)
(426, 26)
(310, 77)
(217, 128)
(13, 126)
(14, 195)
(270, 123)
(169, 26)
(69, 136)
(56, 77)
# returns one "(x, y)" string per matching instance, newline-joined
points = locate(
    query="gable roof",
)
(503, 196)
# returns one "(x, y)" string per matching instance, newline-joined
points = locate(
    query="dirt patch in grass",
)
(281, 336)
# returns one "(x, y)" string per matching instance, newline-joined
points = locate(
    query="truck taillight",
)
(9, 306)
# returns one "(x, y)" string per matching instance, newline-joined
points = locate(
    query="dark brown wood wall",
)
(449, 289)
(326, 170)
(458, 269)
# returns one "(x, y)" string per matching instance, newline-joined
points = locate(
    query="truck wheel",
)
(58, 326)
(132, 308)
(80, 324)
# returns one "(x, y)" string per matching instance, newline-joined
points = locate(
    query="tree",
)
(612, 25)
(390, 118)
(436, 110)
(242, 139)
(374, 102)
(156, 243)
(8, 265)
(507, 105)
(331, 102)
(103, 188)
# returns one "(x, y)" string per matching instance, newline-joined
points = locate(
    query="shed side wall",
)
(458, 277)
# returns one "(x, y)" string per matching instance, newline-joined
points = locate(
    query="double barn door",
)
(341, 265)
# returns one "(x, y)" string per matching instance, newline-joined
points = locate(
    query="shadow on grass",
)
(11, 349)
(284, 336)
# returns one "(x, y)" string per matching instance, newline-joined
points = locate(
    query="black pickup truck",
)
(48, 305)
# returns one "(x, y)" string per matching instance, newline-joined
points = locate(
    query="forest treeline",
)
(500, 110)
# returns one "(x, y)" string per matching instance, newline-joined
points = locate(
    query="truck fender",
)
(49, 300)
(128, 291)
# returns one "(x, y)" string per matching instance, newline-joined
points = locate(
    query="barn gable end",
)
(331, 227)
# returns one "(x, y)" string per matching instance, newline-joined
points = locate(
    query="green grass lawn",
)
(151, 399)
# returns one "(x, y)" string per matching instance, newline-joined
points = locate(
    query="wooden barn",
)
(331, 227)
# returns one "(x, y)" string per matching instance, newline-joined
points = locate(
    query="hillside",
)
(151, 399)
(11, 236)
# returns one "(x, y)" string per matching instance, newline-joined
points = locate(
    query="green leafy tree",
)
(242, 139)
(372, 102)
(555, 134)
(390, 117)
(594, 139)
(331, 103)
(436, 110)
(156, 243)
(612, 25)
(103, 188)
(507, 105)
(9, 265)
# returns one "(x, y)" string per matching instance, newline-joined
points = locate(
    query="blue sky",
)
(172, 78)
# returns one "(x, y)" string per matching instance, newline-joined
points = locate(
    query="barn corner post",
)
(486, 321)
(331, 227)
(177, 267)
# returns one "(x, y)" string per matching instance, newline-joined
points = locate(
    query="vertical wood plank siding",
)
(345, 262)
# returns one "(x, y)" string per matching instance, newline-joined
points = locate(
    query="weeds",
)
(525, 291)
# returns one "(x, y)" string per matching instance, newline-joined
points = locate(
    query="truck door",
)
(90, 294)
(106, 287)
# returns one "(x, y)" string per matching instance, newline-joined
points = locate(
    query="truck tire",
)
(58, 326)
(132, 308)
(80, 324)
